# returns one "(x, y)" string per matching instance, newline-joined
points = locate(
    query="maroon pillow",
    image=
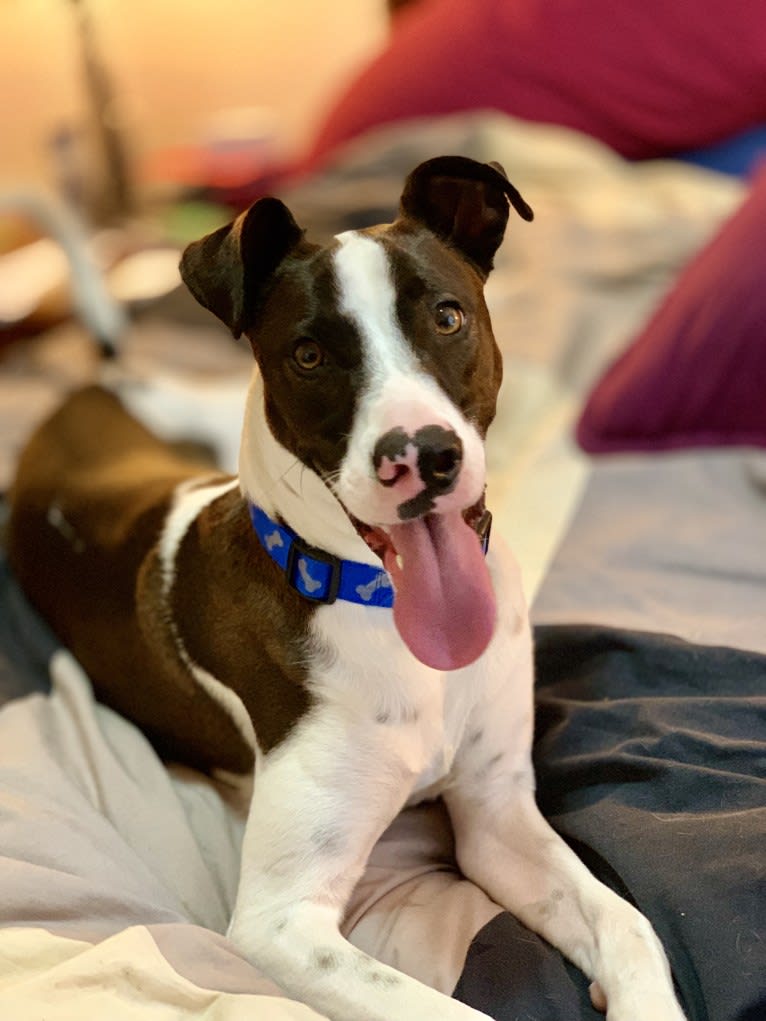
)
(696, 376)
(647, 77)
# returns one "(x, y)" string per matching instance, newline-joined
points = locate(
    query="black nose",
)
(440, 455)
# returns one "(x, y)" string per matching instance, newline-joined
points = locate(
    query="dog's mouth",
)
(444, 604)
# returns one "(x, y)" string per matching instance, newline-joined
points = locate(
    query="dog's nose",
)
(433, 455)
(440, 454)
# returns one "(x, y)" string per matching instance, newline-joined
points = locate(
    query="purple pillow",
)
(696, 375)
(647, 78)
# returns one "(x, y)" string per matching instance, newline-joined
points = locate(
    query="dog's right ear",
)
(228, 271)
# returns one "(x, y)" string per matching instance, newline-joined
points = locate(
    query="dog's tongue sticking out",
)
(444, 607)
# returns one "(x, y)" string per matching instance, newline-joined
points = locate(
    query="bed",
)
(643, 547)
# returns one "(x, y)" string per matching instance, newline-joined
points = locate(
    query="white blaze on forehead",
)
(367, 296)
(398, 391)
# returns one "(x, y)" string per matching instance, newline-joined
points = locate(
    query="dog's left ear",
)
(464, 202)
(228, 271)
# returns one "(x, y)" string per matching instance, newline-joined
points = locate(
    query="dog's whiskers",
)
(331, 479)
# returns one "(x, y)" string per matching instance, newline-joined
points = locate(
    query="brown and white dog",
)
(249, 620)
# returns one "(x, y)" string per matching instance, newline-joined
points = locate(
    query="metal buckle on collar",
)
(298, 576)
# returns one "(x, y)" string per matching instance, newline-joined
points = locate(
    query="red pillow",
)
(696, 376)
(647, 77)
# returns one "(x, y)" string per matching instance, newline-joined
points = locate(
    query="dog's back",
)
(92, 492)
(90, 478)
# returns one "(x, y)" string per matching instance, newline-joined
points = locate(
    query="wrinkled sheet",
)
(651, 707)
(118, 874)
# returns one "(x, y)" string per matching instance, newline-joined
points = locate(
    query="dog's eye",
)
(449, 317)
(308, 355)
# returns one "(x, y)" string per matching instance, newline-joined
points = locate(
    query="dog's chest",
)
(364, 673)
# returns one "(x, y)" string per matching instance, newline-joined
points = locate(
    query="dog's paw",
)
(597, 997)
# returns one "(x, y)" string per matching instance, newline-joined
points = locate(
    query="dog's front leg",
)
(319, 803)
(505, 846)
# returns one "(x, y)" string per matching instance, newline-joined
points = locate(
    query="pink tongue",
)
(444, 607)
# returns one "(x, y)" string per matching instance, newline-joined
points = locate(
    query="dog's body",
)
(376, 381)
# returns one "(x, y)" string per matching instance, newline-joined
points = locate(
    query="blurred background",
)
(177, 74)
(130, 128)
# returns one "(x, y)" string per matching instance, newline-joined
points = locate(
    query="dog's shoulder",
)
(231, 613)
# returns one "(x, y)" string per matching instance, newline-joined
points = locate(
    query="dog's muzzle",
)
(418, 467)
(444, 604)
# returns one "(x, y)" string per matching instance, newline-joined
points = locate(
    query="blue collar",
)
(323, 578)
(317, 575)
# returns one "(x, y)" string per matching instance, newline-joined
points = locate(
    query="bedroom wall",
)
(175, 63)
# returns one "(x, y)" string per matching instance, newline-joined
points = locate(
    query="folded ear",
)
(465, 203)
(228, 271)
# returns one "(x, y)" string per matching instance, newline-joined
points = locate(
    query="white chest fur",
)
(366, 679)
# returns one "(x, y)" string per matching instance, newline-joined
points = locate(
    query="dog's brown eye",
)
(308, 355)
(449, 317)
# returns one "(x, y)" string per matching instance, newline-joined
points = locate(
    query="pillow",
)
(648, 78)
(696, 375)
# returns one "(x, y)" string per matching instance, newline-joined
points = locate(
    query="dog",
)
(331, 616)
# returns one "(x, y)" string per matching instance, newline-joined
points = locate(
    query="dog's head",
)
(381, 374)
